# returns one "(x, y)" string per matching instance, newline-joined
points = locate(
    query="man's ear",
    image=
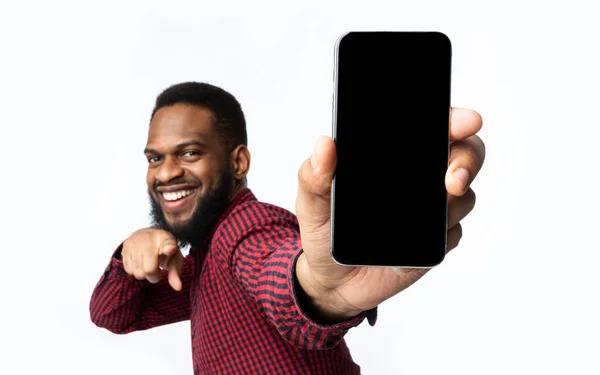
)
(240, 162)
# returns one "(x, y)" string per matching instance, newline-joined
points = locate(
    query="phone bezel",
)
(334, 137)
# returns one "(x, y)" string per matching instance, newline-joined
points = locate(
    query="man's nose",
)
(169, 170)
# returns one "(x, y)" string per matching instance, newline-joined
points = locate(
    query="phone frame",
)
(334, 137)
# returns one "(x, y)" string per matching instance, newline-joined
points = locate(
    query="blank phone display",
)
(391, 125)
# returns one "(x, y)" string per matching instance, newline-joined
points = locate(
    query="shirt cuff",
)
(304, 306)
(317, 324)
(116, 269)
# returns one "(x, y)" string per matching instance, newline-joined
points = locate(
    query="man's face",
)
(189, 172)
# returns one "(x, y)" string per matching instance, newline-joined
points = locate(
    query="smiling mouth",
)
(173, 196)
(177, 200)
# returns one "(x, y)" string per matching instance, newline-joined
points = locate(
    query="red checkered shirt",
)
(248, 314)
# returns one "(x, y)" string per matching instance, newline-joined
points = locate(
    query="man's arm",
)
(123, 304)
(260, 247)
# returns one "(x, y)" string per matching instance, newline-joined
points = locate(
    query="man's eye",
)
(153, 159)
(190, 153)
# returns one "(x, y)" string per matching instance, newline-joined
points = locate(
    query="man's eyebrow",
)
(178, 147)
(191, 143)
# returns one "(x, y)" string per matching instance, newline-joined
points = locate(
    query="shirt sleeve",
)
(123, 304)
(260, 246)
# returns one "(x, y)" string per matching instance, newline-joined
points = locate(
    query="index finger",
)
(464, 123)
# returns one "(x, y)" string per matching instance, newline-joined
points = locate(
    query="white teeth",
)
(175, 195)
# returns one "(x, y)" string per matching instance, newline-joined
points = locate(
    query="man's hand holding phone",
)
(339, 292)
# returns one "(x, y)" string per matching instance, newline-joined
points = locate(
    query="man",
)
(258, 285)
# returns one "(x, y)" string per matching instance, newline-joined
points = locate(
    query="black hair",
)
(227, 111)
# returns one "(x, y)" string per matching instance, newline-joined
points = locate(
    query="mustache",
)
(179, 181)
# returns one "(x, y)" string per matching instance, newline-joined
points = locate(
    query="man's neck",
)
(237, 189)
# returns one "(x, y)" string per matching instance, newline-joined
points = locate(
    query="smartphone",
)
(391, 112)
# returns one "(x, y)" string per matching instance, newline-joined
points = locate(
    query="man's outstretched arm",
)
(135, 294)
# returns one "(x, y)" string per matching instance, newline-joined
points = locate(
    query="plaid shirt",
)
(248, 314)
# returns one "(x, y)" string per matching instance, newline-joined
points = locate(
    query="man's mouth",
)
(173, 196)
(177, 199)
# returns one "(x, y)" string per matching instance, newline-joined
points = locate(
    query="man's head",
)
(197, 158)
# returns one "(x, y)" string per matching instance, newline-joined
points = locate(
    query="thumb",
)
(313, 204)
(169, 247)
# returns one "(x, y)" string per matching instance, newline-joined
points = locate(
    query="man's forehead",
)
(182, 114)
(181, 121)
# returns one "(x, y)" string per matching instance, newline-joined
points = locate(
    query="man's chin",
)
(179, 214)
(177, 223)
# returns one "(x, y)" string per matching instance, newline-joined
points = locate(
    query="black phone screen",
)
(391, 128)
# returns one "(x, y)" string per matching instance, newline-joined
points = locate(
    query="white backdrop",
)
(77, 83)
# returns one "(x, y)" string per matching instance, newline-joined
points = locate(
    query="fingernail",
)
(397, 270)
(461, 176)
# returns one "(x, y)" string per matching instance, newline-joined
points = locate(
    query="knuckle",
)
(458, 232)
(454, 236)
(470, 198)
(162, 237)
(149, 268)
(477, 148)
(153, 276)
(126, 247)
(471, 147)
(469, 152)
(302, 172)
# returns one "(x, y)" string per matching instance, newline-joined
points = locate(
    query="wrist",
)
(323, 301)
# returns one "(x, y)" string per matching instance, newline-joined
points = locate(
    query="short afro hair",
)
(227, 111)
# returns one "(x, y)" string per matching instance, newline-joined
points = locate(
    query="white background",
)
(77, 83)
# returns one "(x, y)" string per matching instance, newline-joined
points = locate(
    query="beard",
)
(209, 209)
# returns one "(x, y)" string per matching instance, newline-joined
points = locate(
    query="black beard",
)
(208, 210)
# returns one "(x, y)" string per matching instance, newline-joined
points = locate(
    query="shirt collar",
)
(243, 196)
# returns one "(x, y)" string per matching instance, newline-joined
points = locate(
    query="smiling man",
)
(259, 287)
(188, 196)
